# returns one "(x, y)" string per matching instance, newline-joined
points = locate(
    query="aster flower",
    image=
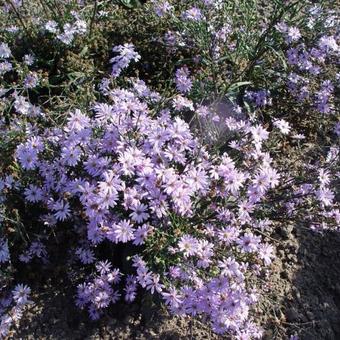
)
(71, 155)
(52, 26)
(183, 81)
(228, 235)
(68, 34)
(103, 267)
(144, 276)
(293, 34)
(324, 177)
(31, 80)
(5, 51)
(21, 294)
(86, 256)
(188, 245)
(249, 242)
(197, 179)
(193, 14)
(5, 67)
(181, 103)
(172, 297)
(154, 285)
(139, 213)
(123, 59)
(77, 121)
(33, 194)
(126, 163)
(114, 276)
(102, 299)
(130, 291)
(265, 251)
(123, 231)
(328, 43)
(4, 251)
(325, 196)
(27, 157)
(337, 129)
(22, 106)
(162, 8)
(282, 125)
(259, 133)
(62, 210)
(29, 59)
(104, 112)
(233, 180)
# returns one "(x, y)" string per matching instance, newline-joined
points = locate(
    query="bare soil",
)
(303, 299)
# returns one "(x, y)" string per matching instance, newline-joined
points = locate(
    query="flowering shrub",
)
(175, 192)
(133, 178)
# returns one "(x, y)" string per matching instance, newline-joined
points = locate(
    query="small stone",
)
(286, 274)
(310, 316)
(152, 333)
(292, 315)
(292, 258)
(268, 335)
(128, 320)
(281, 253)
(285, 231)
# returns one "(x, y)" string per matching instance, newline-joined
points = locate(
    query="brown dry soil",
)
(304, 300)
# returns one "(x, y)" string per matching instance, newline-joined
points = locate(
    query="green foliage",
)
(128, 3)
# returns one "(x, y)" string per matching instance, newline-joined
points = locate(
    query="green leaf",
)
(129, 3)
(84, 51)
(235, 86)
(281, 57)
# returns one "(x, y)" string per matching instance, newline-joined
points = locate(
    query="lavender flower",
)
(21, 294)
(4, 251)
(126, 55)
(183, 82)
(193, 14)
(5, 51)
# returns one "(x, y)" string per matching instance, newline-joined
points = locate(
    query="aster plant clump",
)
(127, 174)
(132, 186)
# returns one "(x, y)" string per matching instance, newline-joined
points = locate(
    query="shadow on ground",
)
(305, 288)
(315, 309)
(304, 300)
(55, 316)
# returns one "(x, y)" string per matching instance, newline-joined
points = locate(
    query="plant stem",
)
(95, 7)
(58, 7)
(20, 19)
(260, 49)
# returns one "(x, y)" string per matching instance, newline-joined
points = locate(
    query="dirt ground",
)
(305, 287)
(303, 300)
(55, 317)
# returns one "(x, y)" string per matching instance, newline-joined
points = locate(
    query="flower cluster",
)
(5, 53)
(127, 173)
(308, 71)
(174, 193)
(123, 59)
(69, 31)
(183, 81)
(98, 293)
(19, 297)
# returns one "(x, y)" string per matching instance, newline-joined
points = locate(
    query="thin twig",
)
(95, 7)
(20, 19)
